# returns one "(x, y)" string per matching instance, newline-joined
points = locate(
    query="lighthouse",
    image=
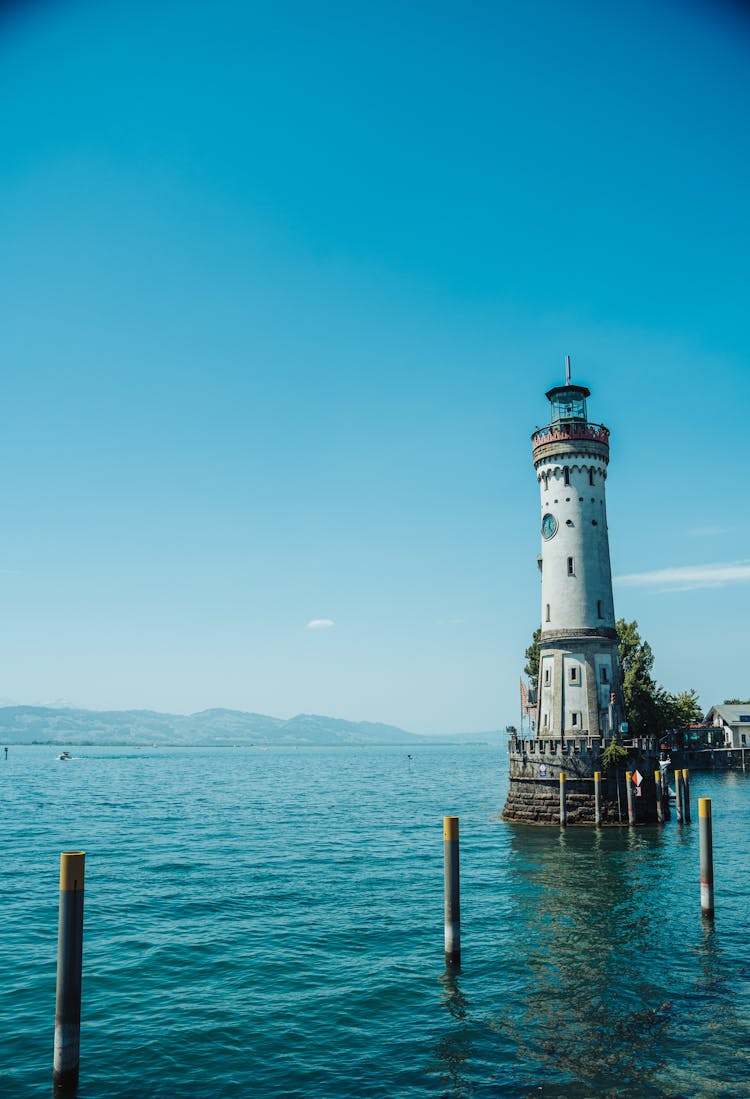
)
(558, 775)
(580, 683)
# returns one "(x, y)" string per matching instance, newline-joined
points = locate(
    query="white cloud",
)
(690, 577)
(320, 624)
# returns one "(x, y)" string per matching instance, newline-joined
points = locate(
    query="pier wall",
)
(534, 770)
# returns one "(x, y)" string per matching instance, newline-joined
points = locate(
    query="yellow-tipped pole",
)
(629, 793)
(597, 798)
(707, 857)
(563, 806)
(686, 795)
(659, 805)
(69, 966)
(678, 794)
(452, 892)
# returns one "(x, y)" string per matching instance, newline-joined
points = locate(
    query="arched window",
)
(566, 474)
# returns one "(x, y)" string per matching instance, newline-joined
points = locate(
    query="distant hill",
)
(64, 725)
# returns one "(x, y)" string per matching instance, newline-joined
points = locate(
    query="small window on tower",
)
(604, 674)
(547, 618)
(546, 677)
(599, 609)
(574, 719)
(573, 673)
(546, 721)
(566, 475)
(571, 567)
(591, 476)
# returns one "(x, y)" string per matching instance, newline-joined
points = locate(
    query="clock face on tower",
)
(549, 525)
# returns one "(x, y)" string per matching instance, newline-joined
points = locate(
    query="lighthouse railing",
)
(596, 433)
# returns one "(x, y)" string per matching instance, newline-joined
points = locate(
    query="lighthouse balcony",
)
(566, 433)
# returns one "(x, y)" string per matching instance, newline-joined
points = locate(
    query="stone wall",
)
(534, 771)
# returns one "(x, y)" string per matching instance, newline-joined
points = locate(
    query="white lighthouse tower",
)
(580, 682)
(561, 774)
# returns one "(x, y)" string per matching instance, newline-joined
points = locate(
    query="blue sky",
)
(282, 287)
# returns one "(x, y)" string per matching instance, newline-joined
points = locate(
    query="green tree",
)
(644, 708)
(613, 756)
(687, 709)
(531, 667)
(650, 708)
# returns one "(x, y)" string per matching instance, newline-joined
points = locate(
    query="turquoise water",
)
(270, 923)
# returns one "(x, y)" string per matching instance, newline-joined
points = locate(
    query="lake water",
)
(270, 923)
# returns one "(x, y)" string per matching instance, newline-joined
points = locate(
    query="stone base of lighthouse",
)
(534, 770)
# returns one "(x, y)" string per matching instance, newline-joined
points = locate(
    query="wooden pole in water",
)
(563, 806)
(707, 857)
(678, 793)
(659, 805)
(452, 892)
(597, 798)
(69, 966)
(686, 795)
(629, 792)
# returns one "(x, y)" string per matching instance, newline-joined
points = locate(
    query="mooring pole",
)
(707, 857)
(69, 965)
(597, 798)
(563, 806)
(659, 806)
(629, 792)
(665, 795)
(452, 892)
(686, 795)
(678, 794)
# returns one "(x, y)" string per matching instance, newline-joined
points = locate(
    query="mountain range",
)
(67, 725)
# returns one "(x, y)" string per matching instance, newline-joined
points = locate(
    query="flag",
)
(526, 706)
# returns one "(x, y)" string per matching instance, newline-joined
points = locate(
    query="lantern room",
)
(568, 403)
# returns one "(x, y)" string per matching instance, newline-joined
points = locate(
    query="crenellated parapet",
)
(561, 438)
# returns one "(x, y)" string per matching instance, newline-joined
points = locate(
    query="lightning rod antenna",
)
(567, 369)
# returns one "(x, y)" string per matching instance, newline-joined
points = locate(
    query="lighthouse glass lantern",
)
(568, 403)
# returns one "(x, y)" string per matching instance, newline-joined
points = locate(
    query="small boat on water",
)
(65, 755)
